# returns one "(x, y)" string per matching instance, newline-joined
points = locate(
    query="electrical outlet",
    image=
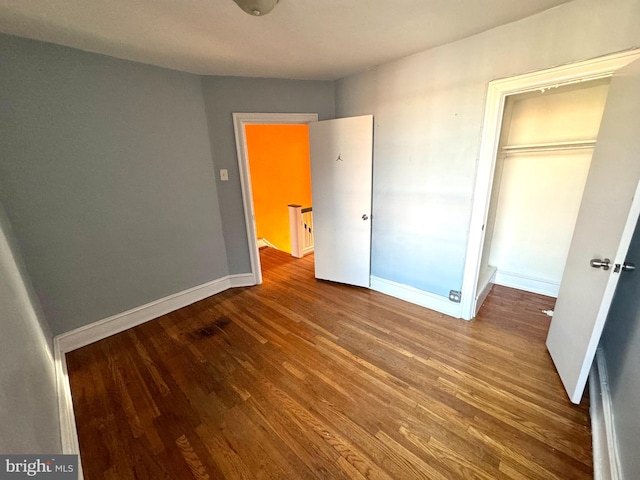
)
(455, 296)
(224, 174)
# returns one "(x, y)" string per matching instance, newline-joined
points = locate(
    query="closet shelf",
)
(549, 147)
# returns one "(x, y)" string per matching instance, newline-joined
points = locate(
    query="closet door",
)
(606, 221)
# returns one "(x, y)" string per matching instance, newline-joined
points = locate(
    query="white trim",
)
(416, 296)
(240, 120)
(263, 242)
(66, 416)
(485, 289)
(528, 284)
(101, 329)
(598, 430)
(606, 458)
(498, 90)
(241, 280)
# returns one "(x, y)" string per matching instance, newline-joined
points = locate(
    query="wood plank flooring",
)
(299, 378)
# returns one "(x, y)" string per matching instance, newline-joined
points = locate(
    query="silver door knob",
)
(597, 263)
(365, 217)
(628, 267)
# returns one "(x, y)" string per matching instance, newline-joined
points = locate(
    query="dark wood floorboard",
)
(299, 378)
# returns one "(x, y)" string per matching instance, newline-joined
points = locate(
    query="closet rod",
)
(549, 147)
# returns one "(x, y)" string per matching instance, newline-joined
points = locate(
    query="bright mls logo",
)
(50, 467)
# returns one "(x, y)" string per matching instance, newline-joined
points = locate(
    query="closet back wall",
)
(540, 191)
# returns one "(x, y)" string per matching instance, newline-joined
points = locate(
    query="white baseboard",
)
(416, 296)
(606, 464)
(66, 416)
(263, 242)
(528, 284)
(101, 329)
(240, 280)
(95, 331)
(484, 288)
(307, 251)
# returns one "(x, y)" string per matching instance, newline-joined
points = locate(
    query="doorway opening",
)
(280, 171)
(544, 153)
(241, 122)
(498, 93)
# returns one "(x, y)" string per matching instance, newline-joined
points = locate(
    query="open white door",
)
(606, 220)
(341, 174)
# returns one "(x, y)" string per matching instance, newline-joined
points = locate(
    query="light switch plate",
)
(224, 174)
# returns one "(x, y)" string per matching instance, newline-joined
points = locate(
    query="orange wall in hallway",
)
(280, 175)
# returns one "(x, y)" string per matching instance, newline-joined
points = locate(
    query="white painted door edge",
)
(239, 122)
(498, 90)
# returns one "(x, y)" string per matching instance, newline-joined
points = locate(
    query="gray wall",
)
(621, 347)
(226, 95)
(28, 403)
(107, 179)
(428, 112)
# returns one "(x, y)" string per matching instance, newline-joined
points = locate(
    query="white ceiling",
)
(303, 39)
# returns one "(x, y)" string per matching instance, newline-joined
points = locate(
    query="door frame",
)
(240, 120)
(498, 91)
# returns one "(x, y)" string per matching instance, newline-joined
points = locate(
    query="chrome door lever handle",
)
(597, 263)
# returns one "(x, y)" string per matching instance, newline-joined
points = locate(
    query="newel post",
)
(295, 230)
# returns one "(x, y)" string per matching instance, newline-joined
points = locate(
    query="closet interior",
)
(546, 144)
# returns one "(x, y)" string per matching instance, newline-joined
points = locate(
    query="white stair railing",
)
(300, 230)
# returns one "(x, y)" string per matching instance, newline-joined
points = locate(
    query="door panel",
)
(603, 230)
(341, 176)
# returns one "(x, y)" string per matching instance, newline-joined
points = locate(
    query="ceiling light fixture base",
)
(257, 8)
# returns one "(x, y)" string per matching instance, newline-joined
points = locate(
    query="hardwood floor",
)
(299, 378)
